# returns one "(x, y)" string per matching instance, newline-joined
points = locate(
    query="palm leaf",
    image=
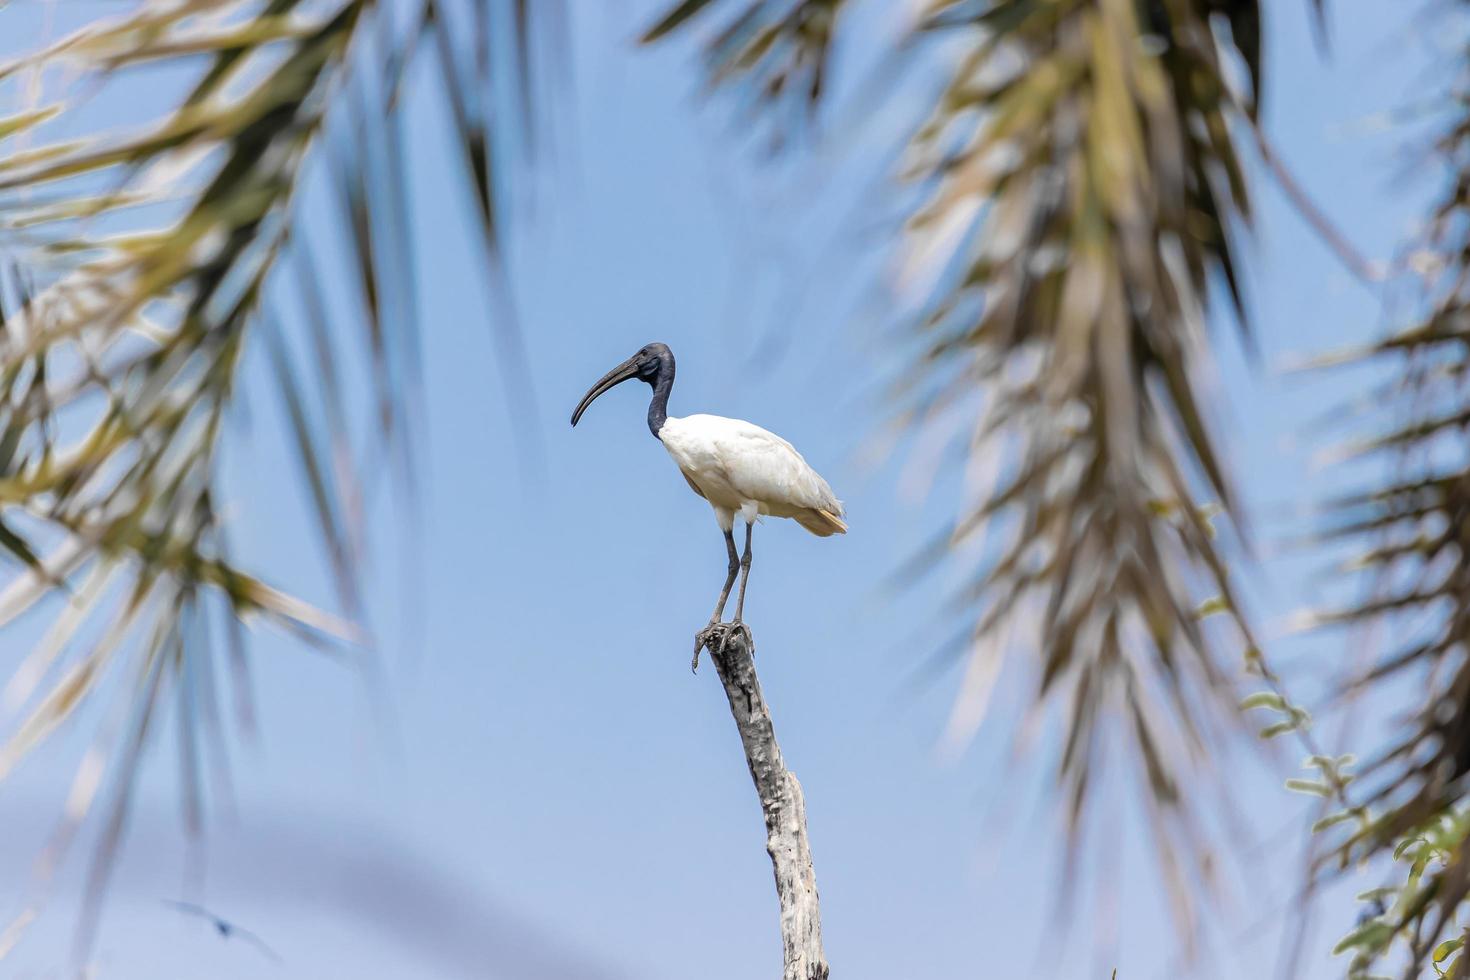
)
(1407, 526)
(1081, 186)
(150, 257)
(779, 51)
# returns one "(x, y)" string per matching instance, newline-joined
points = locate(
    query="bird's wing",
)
(762, 466)
(692, 485)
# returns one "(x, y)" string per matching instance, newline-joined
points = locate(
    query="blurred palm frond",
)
(1081, 184)
(1412, 526)
(144, 274)
(779, 51)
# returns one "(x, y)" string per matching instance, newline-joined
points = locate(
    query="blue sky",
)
(545, 791)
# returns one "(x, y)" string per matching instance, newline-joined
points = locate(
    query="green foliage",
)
(1292, 718)
(1413, 913)
(1410, 913)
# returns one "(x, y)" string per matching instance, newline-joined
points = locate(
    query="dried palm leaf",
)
(150, 261)
(1081, 184)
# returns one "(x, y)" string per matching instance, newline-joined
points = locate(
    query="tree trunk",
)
(781, 803)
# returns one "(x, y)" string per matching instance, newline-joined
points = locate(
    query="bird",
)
(225, 928)
(741, 469)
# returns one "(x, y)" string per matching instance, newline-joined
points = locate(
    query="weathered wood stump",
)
(731, 648)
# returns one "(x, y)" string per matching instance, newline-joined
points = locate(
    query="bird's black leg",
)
(745, 576)
(717, 634)
(730, 571)
(705, 635)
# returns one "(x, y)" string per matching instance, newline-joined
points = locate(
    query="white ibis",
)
(740, 468)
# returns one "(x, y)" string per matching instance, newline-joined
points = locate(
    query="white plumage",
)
(738, 467)
(743, 469)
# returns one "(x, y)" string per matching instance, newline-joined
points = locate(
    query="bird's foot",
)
(706, 637)
(716, 636)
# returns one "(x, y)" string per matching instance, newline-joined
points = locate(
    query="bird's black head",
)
(653, 364)
(652, 360)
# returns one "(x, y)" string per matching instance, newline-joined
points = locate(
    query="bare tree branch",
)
(782, 804)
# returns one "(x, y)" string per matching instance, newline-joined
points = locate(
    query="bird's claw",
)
(704, 638)
(716, 636)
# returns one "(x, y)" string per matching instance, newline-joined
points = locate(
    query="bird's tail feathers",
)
(822, 523)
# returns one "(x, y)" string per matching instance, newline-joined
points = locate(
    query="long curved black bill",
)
(624, 371)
